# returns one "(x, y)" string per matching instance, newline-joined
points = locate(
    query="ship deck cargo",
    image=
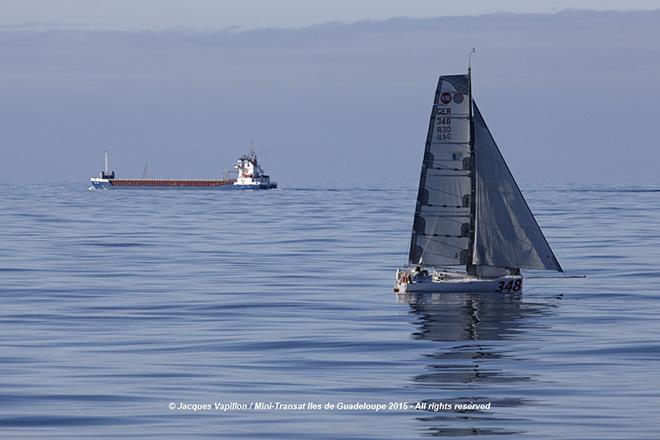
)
(195, 183)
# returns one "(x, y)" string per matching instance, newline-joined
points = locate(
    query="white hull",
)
(463, 284)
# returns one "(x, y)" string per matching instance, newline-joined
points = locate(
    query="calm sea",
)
(117, 304)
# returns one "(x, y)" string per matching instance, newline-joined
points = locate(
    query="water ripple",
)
(115, 304)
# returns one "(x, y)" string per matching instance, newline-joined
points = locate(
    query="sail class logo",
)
(445, 98)
(458, 98)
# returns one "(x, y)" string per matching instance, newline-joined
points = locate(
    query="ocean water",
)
(117, 304)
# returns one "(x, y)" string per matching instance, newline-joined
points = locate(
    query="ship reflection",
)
(475, 360)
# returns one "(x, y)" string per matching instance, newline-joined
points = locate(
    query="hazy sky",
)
(222, 14)
(569, 97)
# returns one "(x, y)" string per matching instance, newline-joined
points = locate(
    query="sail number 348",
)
(443, 129)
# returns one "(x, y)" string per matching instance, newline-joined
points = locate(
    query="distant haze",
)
(570, 97)
(214, 15)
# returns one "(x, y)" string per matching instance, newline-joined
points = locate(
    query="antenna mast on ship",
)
(106, 174)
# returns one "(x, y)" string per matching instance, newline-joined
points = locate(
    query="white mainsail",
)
(497, 228)
(442, 215)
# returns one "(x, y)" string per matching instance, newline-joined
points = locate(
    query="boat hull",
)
(505, 284)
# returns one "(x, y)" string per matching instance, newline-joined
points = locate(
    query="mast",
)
(106, 173)
(469, 267)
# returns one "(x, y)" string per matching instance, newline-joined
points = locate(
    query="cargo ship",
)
(250, 176)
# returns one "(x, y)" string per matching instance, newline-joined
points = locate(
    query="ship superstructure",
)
(249, 171)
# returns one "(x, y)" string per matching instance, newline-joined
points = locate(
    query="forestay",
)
(441, 225)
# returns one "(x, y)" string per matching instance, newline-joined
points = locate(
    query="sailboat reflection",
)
(475, 360)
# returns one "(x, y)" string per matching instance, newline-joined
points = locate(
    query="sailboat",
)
(472, 228)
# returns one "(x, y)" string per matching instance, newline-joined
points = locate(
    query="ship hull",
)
(167, 184)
